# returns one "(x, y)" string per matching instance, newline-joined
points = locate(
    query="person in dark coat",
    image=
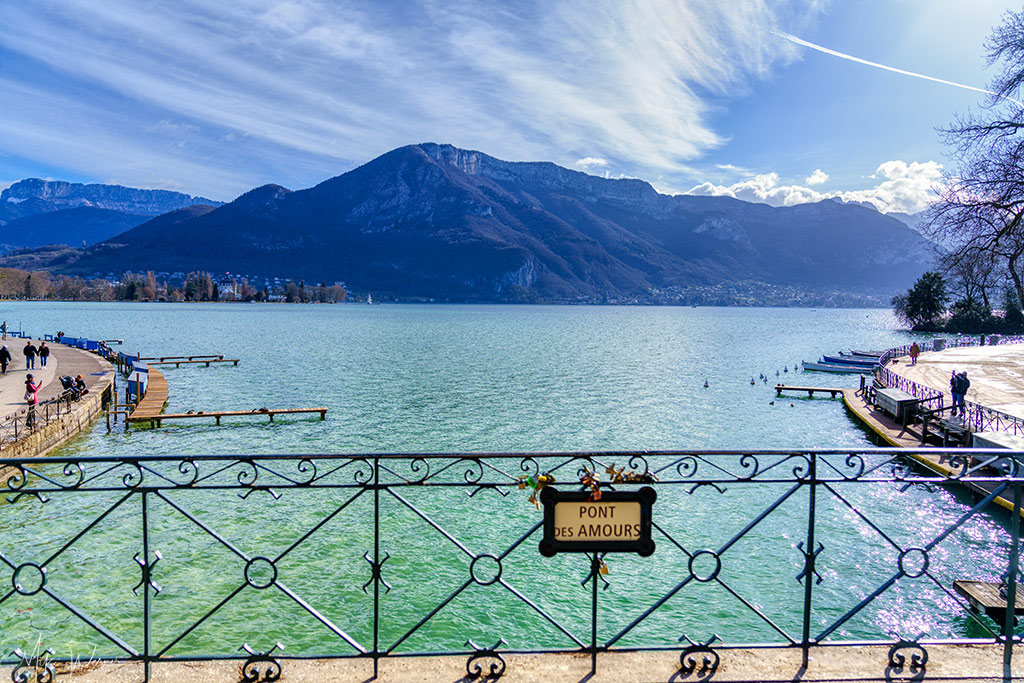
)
(30, 352)
(5, 359)
(44, 353)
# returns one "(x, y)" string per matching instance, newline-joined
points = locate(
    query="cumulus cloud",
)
(590, 162)
(907, 188)
(817, 178)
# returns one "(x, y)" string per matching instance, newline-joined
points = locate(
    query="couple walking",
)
(31, 351)
(958, 386)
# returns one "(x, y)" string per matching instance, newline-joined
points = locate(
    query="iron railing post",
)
(376, 564)
(146, 606)
(1011, 579)
(595, 568)
(809, 555)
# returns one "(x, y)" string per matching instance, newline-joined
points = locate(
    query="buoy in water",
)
(705, 384)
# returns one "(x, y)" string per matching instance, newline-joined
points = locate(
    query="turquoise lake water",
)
(440, 378)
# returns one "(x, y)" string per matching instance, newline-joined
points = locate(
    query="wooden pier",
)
(833, 391)
(179, 363)
(200, 356)
(157, 419)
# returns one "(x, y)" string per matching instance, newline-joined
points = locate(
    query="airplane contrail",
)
(842, 55)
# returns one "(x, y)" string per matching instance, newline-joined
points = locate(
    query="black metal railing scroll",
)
(272, 557)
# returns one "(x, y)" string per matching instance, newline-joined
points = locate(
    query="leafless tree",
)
(979, 216)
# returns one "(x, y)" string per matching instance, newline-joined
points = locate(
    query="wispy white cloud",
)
(732, 168)
(908, 188)
(303, 89)
(168, 126)
(819, 177)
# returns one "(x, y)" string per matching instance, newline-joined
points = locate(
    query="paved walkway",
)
(996, 374)
(63, 361)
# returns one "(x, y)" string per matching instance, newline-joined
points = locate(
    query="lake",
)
(452, 378)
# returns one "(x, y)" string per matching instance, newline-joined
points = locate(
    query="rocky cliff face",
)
(55, 195)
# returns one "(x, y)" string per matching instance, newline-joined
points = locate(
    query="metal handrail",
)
(416, 517)
(32, 418)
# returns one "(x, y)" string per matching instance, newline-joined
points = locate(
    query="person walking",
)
(915, 351)
(32, 399)
(954, 389)
(3, 329)
(5, 359)
(44, 353)
(30, 352)
(965, 384)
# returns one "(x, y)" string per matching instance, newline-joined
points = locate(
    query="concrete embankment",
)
(973, 662)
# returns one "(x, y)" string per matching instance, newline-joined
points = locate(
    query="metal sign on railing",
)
(618, 521)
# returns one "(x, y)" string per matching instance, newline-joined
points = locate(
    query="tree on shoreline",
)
(925, 304)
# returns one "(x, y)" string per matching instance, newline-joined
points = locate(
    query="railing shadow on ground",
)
(192, 558)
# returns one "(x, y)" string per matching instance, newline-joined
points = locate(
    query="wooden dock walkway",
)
(987, 597)
(156, 396)
(895, 434)
(161, 359)
(179, 363)
(833, 391)
(157, 420)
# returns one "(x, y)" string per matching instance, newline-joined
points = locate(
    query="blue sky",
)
(701, 96)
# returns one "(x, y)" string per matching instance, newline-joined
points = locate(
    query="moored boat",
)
(835, 368)
(847, 360)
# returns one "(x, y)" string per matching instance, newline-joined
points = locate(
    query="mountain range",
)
(35, 212)
(437, 221)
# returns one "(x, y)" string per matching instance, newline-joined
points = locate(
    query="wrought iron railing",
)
(30, 419)
(978, 418)
(932, 399)
(192, 558)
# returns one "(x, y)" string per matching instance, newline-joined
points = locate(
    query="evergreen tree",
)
(923, 306)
